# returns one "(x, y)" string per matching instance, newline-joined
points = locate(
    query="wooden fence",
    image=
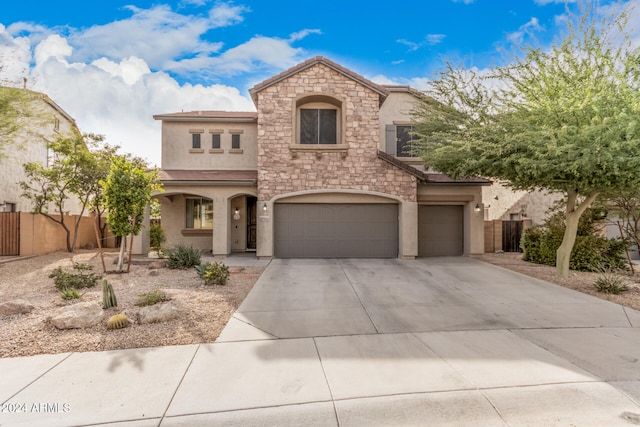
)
(9, 233)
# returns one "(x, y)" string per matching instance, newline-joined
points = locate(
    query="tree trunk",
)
(121, 254)
(573, 214)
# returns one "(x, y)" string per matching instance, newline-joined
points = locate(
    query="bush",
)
(610, 283)
(69, 293)
(591, 252)
(152, 298)
(213, 274)
(182, 257)
(156, 237)
(63, 279)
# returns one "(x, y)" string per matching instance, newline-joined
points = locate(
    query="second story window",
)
(404, 141)
(318, 126)
(235, 141)
(215, 140)
(195, 140)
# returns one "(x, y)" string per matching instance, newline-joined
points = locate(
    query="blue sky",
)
(116, 63)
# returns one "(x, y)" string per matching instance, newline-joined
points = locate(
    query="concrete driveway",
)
(445, 341)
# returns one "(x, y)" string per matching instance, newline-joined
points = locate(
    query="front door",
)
(251, 223)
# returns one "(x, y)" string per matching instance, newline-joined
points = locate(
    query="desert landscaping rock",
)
(158, 313)
(205, 310)
(14, 307)
(154, 273)
(77, 316)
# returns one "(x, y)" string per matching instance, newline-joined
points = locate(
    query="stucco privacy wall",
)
(279, 172)
(39, 235)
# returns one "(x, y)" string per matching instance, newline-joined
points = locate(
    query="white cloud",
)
(157, 35)
(412, 46)
(113, 98)
(429, 40)
(526, 30)
(113, 78)
(302, 34)
(223, 15)
(463, 1)
(433, 39)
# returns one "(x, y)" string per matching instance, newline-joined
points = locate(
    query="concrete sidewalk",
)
(449, 341)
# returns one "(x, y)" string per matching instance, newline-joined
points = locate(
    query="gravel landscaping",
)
(202, 310)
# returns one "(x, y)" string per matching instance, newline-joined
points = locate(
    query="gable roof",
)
(381, 90)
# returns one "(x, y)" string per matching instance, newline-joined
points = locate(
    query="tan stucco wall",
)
(177, 150)
(395, 109)
(536, 204)
(173, 212)
(39, 235)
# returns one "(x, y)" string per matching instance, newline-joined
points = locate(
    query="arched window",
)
(319, 120)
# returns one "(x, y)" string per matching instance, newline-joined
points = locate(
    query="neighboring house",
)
(506, 204)
(46, 122)
(320, 170)
(21, 233)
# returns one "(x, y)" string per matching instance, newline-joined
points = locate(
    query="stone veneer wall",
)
(280, 173)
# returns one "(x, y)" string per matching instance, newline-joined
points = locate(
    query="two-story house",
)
(319, 170)
(40, 120)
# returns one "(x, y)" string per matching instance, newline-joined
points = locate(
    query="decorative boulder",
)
(158, 313)
(17, 306)
(77, 316)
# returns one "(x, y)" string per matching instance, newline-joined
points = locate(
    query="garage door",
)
(440, 231)
(335, 230)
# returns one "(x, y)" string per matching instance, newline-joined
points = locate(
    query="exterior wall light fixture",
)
(264, 208)
(236, 214)
(477, 208)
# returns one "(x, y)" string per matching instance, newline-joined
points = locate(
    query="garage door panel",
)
(336, 230)
(440, 231)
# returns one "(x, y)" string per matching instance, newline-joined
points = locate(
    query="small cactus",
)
(108, 296)
(118, 321)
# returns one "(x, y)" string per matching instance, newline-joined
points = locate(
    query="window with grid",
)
(199, 213)
(318, 126)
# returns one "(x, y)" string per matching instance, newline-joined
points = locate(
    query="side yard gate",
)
(511, 233)
(9, 233)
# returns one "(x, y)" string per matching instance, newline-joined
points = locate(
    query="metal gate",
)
(9, 233)
(511, 233)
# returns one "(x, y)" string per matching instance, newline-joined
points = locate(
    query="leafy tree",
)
(14, 112)
(565, 119)
(72, 176)
(103, 156)
(626, 204)
(127, 191)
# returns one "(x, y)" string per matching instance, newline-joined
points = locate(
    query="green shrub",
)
(84, 278)
(213, 274)
(610, 283)
(591, 251)
(152, 298)
(182, 257)
(69, 293)
(156, 237)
